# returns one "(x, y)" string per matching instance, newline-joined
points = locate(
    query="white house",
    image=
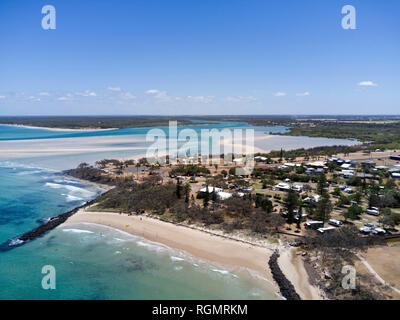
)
(316, 164)
(211, 189)
(286, 187)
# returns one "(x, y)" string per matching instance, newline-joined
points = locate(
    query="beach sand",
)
(293, 267)
(204, 245)
(59, 146)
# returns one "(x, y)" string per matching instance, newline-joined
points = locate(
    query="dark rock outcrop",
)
(285, 286)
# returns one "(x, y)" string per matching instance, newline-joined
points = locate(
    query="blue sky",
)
(199, 57)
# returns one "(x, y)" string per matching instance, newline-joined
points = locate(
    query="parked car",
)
(378, 231)
(335, 223)
(372, 212)
(365, 230)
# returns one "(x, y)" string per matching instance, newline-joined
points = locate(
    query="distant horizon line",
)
(202, 115)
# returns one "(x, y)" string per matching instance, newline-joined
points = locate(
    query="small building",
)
(210, 189)
(317, 164)
(286, 187)
(364, 175)
(282, 186)
(346, 173)
(346, 166)
(368, 164)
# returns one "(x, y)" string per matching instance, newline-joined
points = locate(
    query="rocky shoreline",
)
(285, 286)
(44, 228)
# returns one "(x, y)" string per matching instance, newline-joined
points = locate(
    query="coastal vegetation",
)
(94, 122)
(173, 202)
(375, 135)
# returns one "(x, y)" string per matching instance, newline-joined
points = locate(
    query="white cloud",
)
(160, 95)
(304, 94)
(68, 96)
(279, 94)
(87, 93)
(128, 95)
(34, 99)
(117, 89)
(2, 97)
(241, 99)
(203, 99)
(152, 91)
(44, 94)
(367, 84)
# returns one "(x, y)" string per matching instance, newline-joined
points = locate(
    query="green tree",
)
(324, 207)
(186, 191)
(322, 184)
(353, 212)
(206, 198)
(291, 204)
(179, 188)
(299, 217)
(374, 200)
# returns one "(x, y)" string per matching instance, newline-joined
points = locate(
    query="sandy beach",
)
(204, 245)
(59, 146)
(293, 267)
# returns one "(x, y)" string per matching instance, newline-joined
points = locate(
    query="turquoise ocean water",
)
(91, 261)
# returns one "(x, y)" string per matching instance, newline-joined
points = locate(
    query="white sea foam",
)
(221, 271)
(173, 258)
(71, 198)
(14, 165)
(15, 242)
(68, 181)
(178, 268)
(74, 193)
(151, 246)
(121, 240)
(70, 188)
(77, 231)
(25, 173)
